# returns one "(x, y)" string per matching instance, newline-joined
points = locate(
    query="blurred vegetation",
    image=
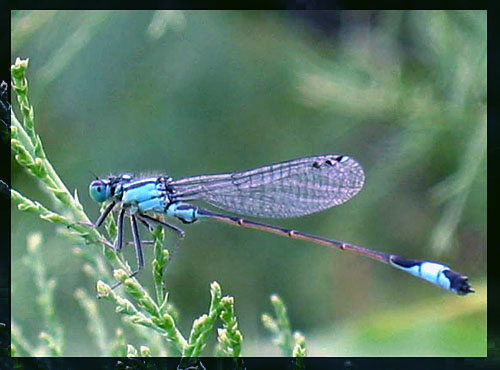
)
(140, 309)
(185, 93)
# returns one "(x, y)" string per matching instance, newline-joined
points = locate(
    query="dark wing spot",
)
(316, 164)
(342, 158)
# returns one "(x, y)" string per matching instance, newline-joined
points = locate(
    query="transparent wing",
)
(286, 189)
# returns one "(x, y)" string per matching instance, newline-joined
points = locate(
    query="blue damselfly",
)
(288, 189)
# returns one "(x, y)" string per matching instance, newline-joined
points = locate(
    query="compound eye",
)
(99, 191)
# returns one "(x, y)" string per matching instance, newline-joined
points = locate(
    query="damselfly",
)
(288, 189)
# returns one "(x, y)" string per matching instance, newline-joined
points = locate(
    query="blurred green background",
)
(192, 92)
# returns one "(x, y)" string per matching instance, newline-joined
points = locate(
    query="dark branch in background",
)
(5, 362)
(5, 118)
(4, 104)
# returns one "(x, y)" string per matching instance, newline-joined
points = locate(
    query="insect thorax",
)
(151, 194)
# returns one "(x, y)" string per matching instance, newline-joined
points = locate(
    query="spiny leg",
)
(102, 241)
(119, 241)
(100, 220)
(104, 214)
(180, 233)
(146, 224)
(138, 247)
(138, 250)
(147, 219)
(98, 223)
(143, 242)
(150, 229)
